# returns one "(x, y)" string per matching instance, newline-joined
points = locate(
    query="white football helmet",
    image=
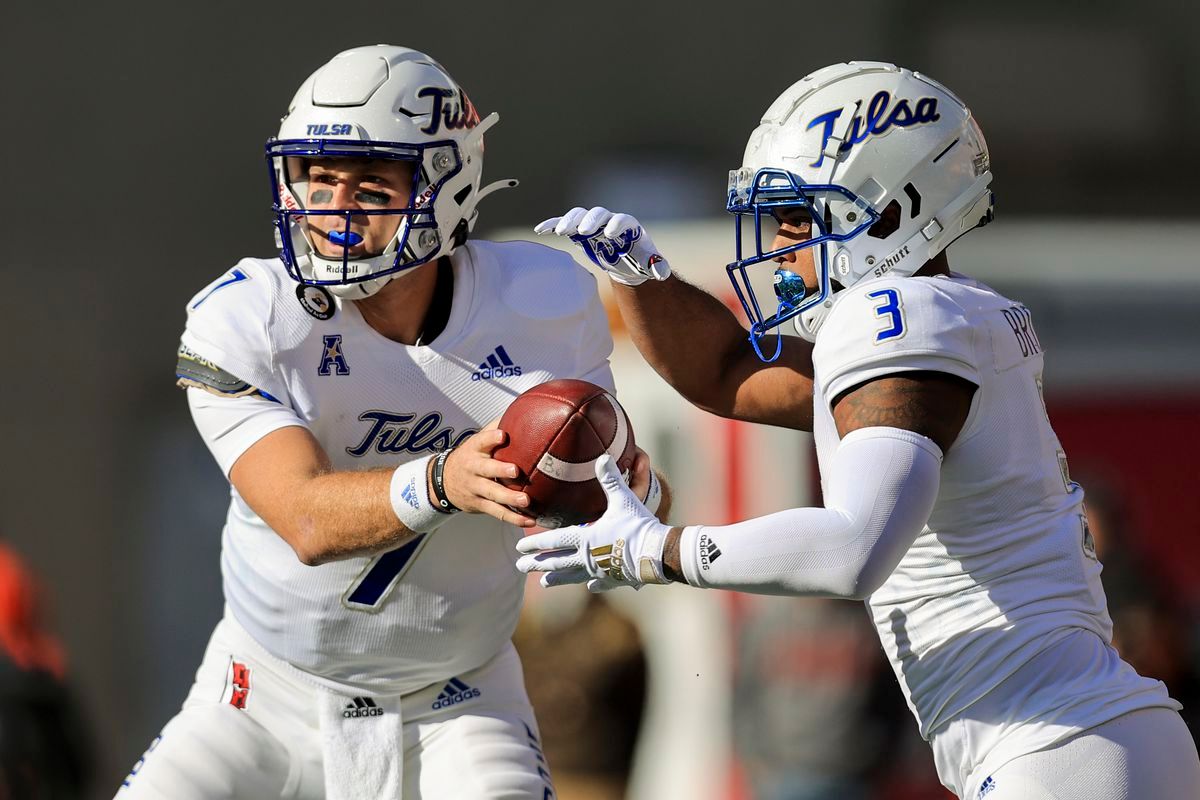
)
(379, 102)
(887, 164)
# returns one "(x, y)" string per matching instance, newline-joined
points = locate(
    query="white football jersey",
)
(444, 603)
(1005, 566)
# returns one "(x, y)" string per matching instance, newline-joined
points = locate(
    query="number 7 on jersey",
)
(381, 575)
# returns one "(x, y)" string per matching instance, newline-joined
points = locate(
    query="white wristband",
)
(410, 497)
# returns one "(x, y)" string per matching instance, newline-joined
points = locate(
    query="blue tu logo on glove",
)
(603, 250)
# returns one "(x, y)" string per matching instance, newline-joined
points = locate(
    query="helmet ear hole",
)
(888, 222)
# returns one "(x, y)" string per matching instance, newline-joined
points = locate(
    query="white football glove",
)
(616, 243)
(622, 548)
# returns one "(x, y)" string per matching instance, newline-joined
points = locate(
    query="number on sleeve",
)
(381, 575)
(889, 305)
(235, 276)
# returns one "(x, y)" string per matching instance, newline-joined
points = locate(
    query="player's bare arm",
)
(933, 404)
(721, 374)
(718, 373)
(327, 515)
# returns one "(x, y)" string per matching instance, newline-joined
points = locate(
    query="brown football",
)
(556, 431)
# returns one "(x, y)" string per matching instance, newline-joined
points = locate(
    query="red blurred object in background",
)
(22, 636)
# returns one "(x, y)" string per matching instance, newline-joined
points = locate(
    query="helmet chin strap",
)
(808, 323)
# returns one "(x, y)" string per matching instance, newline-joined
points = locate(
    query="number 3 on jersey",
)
(892, 310)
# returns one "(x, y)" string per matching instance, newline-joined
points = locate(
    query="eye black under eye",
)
(374, 198)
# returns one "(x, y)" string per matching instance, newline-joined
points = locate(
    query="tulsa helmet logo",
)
(881, 115)
(599, 247)
(453, 109)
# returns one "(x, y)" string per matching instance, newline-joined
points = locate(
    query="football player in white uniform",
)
(948, 505)
(365, 651)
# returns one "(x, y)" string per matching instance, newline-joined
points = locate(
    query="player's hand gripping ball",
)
(556, 432)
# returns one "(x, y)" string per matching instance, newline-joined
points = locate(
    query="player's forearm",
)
(662, 319)
(698, 346)
(338, 515)
(322, 513)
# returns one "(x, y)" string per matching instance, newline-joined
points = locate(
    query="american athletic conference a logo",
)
(881, 115)
(333, 360)
(405, 433)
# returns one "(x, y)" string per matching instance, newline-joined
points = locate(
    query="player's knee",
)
(209, 753)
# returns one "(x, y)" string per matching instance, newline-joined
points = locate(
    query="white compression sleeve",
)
(878, 496)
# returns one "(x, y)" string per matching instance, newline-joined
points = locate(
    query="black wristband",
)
(440, 501)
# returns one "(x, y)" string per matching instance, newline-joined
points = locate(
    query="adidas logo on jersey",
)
(709, 552)
(455, 692)
(362, 707)
(497, 365)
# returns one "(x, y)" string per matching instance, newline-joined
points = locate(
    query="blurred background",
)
(133, 136)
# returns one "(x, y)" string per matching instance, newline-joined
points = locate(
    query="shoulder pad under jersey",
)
(893, 325)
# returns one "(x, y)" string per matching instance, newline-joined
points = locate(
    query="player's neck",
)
(398, 311)
(938, 265)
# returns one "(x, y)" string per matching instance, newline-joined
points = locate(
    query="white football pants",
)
(255, 728)
(1143, 755)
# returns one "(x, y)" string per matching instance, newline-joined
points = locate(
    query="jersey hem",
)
(874, 367)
